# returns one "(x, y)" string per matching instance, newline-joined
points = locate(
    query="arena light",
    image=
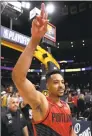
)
(55, 68)
(28, 5)
(82, 40)
(63, 61)
(12, 9)
(25, 5)
(63, 70)
(71, 42)
(38, 73)
(66, 61)
(35, 11)
(73, 70)
(50, 8)
(83, 44)
(40, 70)
(15, 5)
(83, 69)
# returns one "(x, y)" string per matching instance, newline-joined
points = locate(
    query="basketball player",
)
(51, 117)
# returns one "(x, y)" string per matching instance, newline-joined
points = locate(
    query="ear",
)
(47, 86)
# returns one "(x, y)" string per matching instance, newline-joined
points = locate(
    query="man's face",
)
(56, 85)
(13, 104)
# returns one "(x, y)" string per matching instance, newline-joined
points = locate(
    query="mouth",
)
(61, 91)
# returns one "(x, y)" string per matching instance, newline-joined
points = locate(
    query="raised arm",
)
(24, 86)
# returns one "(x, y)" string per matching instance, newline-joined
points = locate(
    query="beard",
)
(60, 92)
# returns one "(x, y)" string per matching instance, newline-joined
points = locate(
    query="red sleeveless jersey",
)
(58, 121)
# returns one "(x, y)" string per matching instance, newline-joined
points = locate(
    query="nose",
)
(60, 84)
(16, 104)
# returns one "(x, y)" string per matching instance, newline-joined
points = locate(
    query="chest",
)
(59, 114)
(58, 120)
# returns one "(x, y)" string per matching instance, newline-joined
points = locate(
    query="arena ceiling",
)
(69, 28)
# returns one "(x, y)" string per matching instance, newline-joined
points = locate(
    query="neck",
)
(55, 99)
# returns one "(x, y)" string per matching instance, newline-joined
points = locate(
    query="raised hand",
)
(39, 24)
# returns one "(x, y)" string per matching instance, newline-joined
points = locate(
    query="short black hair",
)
(48, 74)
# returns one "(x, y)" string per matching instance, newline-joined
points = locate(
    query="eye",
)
(55, 82)
(63, 82)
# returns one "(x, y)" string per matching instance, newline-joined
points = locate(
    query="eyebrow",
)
(58, 80)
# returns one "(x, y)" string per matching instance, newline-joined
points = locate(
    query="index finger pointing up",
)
(43, 10)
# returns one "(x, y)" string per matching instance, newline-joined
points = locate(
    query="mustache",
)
(61, 88)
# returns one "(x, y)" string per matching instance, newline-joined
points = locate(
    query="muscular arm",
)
(25, 87)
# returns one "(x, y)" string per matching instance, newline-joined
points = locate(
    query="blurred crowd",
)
(80, 103)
